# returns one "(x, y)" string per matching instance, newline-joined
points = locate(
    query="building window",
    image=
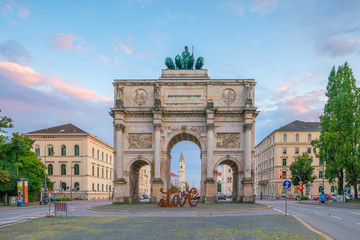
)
(284, 162)
(37, 151)
(309, 137)
(76, 150)
(98, 154)
(102, 187)
(284, 174)
(63, 150)
(107, 175)
(76, 169)
(93, 152)
(284, 151)
(332, 188)
(93, 186)
(110, 174)
(98, 187)
(296, 150)
(102, 156)
(50, 151)
(93, 170)
(77, 186)
(321, 174)
(50, 169)
(284, 137)
(229, 170)
(98, 172)
(63, 169)
(63, 186)
(309, 150)
(110, 160)
(106, 158)
(102, 173)
(320, 189)
(296, 137)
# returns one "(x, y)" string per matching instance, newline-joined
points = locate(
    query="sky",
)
(58, 59)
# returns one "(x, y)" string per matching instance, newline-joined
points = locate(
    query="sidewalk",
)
(332, 204)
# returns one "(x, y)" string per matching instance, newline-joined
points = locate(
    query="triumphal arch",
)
(151, 116)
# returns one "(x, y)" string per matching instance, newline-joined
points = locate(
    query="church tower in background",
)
(182, 172)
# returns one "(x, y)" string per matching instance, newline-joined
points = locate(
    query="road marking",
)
(355, 213)
(278, 210)
(336, 217)
(316, 212)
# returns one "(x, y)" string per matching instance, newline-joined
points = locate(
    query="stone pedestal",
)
(156, 185)
(248, 185)
(210, 191)
(120, 190)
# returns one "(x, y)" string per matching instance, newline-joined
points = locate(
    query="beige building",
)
(75, 158)
(144, 180)
(226, 179)
(275, 153)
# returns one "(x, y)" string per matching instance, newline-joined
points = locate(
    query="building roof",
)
(219, 173)
(173, 174)
(300, 126)
(66, 128)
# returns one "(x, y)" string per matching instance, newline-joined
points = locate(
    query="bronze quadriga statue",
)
(185, 61)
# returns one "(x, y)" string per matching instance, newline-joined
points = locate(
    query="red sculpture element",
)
(179, 198)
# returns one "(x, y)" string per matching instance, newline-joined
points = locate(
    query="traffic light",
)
(301, 187)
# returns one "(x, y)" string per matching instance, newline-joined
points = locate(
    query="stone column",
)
(119, 152)
(157, 183)
(247, 150)
(157, 151)
(248, 183)
(210, 184)
(121, 194)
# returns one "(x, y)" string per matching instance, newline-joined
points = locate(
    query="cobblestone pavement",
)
(236, 227)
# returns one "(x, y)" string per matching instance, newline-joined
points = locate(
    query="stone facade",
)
(79, 158)
(216, 114)
(275, 153)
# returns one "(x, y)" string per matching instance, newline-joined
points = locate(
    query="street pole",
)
(109, 191)
(323, 177)
(285, 201)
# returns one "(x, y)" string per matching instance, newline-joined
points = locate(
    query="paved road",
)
(338, 223)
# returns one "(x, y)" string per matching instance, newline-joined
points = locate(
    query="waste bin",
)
(12, 200)
(322, 198)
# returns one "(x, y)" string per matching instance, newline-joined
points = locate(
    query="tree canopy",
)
(302, 167)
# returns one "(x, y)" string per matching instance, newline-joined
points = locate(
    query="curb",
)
(323, 205)
(311, 228)
(160, 211)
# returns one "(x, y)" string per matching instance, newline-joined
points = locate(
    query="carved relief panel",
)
(140, 140)
(228, 140)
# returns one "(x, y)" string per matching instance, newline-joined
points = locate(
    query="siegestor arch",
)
(183, 135)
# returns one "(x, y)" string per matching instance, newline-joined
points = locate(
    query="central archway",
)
(178, 137)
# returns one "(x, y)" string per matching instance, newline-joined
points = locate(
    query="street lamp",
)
(109, 190)
(46, 197)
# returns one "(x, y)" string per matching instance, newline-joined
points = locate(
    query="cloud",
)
(59, 85)
(127, 45)
(28, 77)
(263, 6)
(66, 42)
(338, 46)
(235, 8)
(103, 58)
(12, 51)
(145, 53)
(20, 74)
(8, 7)
(23, 13)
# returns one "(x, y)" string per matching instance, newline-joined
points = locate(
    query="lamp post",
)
(300, 182)
(46, 197)
(109, 191)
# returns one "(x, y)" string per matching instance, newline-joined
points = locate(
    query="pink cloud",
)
(264, 5)
(28, 77)
(103, 58)
(284, 87)
(23, 13)
(8, 7)
(127, 45)
(60, 85)
(338, 46)
(21, 74)
(63, 41)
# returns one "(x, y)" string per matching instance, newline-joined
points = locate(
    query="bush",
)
(62, 199)
(304, 198)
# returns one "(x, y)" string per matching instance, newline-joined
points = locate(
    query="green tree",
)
(302, 167)
(339, 139)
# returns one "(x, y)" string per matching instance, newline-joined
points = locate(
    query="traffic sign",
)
(287, 184)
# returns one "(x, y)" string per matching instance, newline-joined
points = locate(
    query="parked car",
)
(144, 196)
(229, 196)
(328, 197)
(141, 197)
(221, 196)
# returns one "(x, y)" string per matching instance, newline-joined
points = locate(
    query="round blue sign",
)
(287, 184)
